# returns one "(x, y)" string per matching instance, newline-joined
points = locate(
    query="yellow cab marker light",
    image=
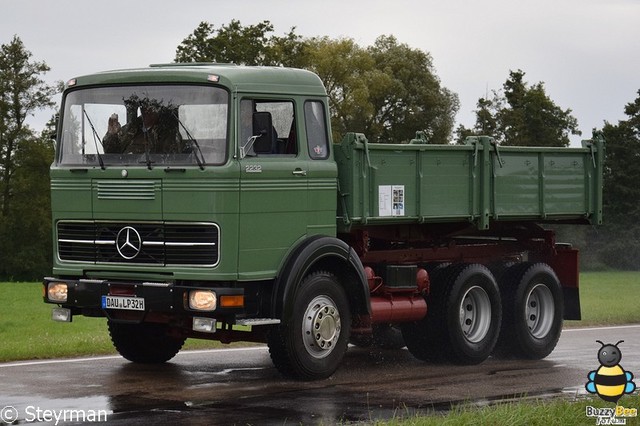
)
(232, 301)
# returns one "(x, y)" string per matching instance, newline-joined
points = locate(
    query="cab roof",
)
(238, 78)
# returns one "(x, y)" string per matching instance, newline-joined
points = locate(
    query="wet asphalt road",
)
(240, 386)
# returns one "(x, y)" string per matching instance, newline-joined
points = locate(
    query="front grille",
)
(147, 243)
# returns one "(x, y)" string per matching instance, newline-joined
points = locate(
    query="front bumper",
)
(161, 299)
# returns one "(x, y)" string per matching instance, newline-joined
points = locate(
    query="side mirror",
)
(263, 131)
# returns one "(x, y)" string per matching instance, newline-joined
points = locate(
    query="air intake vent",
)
(126, 190)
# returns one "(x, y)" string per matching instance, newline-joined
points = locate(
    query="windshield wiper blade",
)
(199, 159)
(145, 133)
(95, 139)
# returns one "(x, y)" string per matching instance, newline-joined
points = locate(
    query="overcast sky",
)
(587, 52)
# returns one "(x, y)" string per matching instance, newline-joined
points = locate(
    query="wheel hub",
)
(539, 311)
(321, 327)
(475, 314)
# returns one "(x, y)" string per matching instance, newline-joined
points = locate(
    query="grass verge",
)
(534, 413)
(27, 331)
(608, 298)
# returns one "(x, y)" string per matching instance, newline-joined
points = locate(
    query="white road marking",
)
(250, 348)
(613, 327)
(102, 358)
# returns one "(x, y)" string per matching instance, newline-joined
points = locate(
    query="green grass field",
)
(27, 332)
(608, 298)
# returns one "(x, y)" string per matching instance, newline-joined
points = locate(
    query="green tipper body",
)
(478, 182)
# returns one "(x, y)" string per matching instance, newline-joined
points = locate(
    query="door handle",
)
(300, 172)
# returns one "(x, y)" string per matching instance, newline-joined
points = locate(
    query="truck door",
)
(273, 186)
(322, 172)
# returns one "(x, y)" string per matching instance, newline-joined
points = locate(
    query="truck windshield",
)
(144, 125)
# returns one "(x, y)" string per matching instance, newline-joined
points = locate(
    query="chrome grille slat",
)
(162, 243)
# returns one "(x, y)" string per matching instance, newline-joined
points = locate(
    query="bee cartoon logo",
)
(610, 381)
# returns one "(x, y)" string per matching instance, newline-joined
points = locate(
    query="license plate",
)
(126, 303)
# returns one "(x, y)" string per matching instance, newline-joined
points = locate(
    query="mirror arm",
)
(247, 146)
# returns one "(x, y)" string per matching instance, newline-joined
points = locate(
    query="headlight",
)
(202, 300)
(57, 292)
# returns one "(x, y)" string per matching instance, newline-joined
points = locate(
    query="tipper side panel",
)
(477, 182)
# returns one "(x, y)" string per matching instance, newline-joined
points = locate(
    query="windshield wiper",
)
(145, 133)
(95, 139)
(200, 160)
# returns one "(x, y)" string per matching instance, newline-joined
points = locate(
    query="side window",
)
(317, 139)
(282, 138)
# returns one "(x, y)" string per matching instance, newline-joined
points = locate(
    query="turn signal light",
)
(57, 292)
(232, 301)
(202, 300)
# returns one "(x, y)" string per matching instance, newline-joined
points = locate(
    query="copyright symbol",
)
(9, 414)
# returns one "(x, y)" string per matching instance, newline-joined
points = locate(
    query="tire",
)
(311, 342)
(533, 311)
(144, 343)
(463, 317)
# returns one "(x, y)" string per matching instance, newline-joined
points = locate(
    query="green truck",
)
(208, 201)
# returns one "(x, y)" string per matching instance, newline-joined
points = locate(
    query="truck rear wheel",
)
(533, 311)
(463, 318)
(311, 343)
(144, 343)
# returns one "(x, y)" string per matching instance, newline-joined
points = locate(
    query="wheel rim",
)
(321, 327)
(539, 311)
(475, 314)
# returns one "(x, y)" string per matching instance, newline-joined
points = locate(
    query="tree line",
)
(387, 90)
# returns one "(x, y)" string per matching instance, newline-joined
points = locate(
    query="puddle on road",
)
(325, 406)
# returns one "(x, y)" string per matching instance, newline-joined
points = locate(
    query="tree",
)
(22, 92)
(343, 66)
(234, 43)
(387, 91)
(615, 244)
(621, 194)
(25, 232)
(522, 115)
(25, 213)
(410, 96)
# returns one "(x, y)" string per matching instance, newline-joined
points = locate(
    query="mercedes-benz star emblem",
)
(128, 242)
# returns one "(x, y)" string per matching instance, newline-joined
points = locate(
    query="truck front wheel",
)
(144, 343)
(311, 342)
(533, 311)
(463, 318)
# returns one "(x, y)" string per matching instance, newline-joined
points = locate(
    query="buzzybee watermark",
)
(610, 382)
(32, 413)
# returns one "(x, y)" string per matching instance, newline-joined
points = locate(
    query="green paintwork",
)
(275, 80)
(265, 205)
(476, 182)
(261, 216)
